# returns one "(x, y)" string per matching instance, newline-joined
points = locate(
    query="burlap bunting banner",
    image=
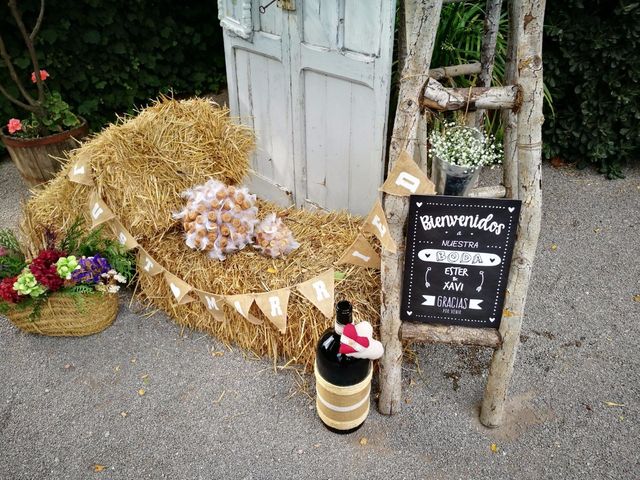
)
(98, 210)
(179, 288)
(376, 223)
(213, 303)
(80, 171)
(274, 305)
(123, 236)
(147, 264)
(242, 304)
(406, 178)
(320, 291)
(361, 253)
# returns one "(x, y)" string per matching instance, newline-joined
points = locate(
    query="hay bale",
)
(143, 164)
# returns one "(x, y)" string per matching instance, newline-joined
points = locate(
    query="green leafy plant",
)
(12, 260)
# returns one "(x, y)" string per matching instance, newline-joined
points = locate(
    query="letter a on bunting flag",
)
(361, 253)
(406, 178)
(242, 305)
(376, 223)
(320, 291)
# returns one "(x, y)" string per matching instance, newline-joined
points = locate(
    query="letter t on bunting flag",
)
(361, 253)
(80, 171)
(376, 223)
(213, 304)
(98, 210)
(179, 288)
(147, 264)
(320, 291)
(406, 178)
(274, 305)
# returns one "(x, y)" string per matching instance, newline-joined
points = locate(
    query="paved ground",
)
(209, 412)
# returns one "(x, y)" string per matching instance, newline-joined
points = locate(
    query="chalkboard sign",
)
(457, 259)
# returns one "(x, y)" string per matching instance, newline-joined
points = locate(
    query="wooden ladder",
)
(520, 101)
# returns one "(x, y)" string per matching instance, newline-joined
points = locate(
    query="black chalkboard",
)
(457, 259)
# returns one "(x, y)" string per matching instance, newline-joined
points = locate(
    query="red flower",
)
(7, 293)
(14, 126)
(43, 75)
(44, 269)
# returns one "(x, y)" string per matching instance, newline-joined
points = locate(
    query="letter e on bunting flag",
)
(123, 237)
(320, 291)
(406, 178)
(179, 288)
(98, 210)
(147, 264)
(242, 305)
(274, 305)
(80, 171)
(361, 253)
(376, 223)
(213, 303)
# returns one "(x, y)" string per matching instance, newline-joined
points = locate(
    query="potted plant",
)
(51, 128)
(458, 154)
(68, 289)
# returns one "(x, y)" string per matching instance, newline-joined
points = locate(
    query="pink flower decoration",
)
(14, 126)
(43, 75)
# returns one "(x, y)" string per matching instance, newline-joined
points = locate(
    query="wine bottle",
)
(343, 383)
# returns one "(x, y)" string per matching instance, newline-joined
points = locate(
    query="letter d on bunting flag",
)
(361, 253)
(80, 171)
(179, 288)
(98, 210)
(320, 291)
(274, 305)
(406, 178)
(376, 223)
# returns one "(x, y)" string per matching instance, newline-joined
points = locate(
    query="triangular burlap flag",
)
(98, 210)
(179, 288)
(376, 223)
(361, 253)
(213, 303)
(406, 178)
(320, 291)
(242, 305)
(81, 171)
(123, 236)
(147, 264)
(274, 305)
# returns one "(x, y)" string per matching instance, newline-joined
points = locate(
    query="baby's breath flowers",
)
(464, 146)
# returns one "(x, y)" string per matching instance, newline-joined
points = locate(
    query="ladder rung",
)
(495, 191)
(451, 334)
(455, 70)
(437, 97)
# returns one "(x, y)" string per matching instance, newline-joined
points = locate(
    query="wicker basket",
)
(62, 316)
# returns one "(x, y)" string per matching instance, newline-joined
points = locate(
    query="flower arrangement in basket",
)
(458, 154)
(69, 288)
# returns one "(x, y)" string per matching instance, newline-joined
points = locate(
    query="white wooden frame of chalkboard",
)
(521, 103)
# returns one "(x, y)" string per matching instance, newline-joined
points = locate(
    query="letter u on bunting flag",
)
(406, 178)
(242, 305)
(98, 210)
(376, 223)
(123, 236)
(81, 171)
(179, 288)
(320, 291)
(361, 253)
(213, 303)
(147, 264)
(274, 305)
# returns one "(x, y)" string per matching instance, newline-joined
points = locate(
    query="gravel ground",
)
(209, 411)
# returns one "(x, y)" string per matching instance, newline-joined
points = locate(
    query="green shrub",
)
(107, 58)
(592, 68)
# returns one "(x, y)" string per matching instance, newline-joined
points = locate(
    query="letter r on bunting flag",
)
(319, 290)
(274, 305)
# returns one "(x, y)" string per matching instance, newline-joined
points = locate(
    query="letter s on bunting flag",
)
(406, 178)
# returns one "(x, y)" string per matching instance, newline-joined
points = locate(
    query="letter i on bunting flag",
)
(147, 264)
(376, 223)
(242, 304)
(361, 253)
(123, 236)
(274, 305)
(179, 288)
(406, 178)
(81, 171)
(320, 291)
(98, 210)
(213, 303)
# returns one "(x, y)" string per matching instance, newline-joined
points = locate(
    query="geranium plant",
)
(47, 112)
(79, 264)
(464, 146)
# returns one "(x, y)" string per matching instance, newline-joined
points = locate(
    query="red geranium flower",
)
(43, 75)
(14, 125)
(7, 292)
(44, 269)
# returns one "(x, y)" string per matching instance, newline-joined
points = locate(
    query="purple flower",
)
(90, 269)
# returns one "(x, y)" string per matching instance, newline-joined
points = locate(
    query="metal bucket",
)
(452, 179)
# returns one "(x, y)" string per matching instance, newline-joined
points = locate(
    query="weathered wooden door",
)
(314, 84)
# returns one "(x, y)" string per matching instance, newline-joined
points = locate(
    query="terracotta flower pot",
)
(34, 157)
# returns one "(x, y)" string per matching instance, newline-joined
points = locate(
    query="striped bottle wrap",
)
(342, 408)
